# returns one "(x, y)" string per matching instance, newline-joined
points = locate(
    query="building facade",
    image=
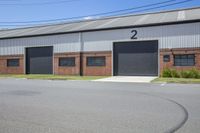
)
(129, 45)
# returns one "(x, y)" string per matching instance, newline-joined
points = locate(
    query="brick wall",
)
(87, 70)
(173, 52)
(11, 70)
(98, 70)
(75, 70)
(72, 70)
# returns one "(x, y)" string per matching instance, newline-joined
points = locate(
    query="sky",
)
(36, 10)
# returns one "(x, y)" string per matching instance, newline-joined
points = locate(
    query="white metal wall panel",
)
(169, 36)
(61, 43)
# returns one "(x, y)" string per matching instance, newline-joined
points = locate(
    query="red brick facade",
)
(172, 52)
(98, 70)
(72, 70)
(87, 70)
(11, 70)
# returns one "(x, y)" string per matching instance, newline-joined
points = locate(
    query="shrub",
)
(166, 73)
(172, 73)
(193, 73)
(175, 74)
(185, 74)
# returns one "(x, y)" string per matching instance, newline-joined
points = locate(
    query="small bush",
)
(185, 74)
(193, 73)
(175, 74)
(166, 73)
(172, 73)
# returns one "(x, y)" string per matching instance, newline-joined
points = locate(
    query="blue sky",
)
(12, 13)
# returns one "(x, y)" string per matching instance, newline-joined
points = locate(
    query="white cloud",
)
(87, 18)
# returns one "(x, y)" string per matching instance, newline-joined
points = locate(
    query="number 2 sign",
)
(134, 34)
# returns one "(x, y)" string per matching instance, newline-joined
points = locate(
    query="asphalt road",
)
(42, 106)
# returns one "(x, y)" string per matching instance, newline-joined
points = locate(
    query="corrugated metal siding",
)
(61, 43)
(171, 36)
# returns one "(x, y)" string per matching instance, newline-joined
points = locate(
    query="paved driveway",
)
(36, 106)
(128, 79)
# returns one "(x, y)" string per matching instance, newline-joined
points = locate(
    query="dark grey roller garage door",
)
(137, 58)
(39, 60)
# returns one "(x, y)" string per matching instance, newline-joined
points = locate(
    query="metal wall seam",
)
(169, 36)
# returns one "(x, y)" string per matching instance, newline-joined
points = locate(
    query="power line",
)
(147, 9)
(185, 1)
(37, 3)
(98, 14)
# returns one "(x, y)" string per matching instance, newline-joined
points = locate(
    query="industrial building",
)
(142, 44)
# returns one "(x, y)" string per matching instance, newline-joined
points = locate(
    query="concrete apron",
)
(134, 79)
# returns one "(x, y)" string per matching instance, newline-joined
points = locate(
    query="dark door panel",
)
(39, 60)
(136, 58)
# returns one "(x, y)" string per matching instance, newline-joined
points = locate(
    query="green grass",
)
(52, 77)
(177, 80)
